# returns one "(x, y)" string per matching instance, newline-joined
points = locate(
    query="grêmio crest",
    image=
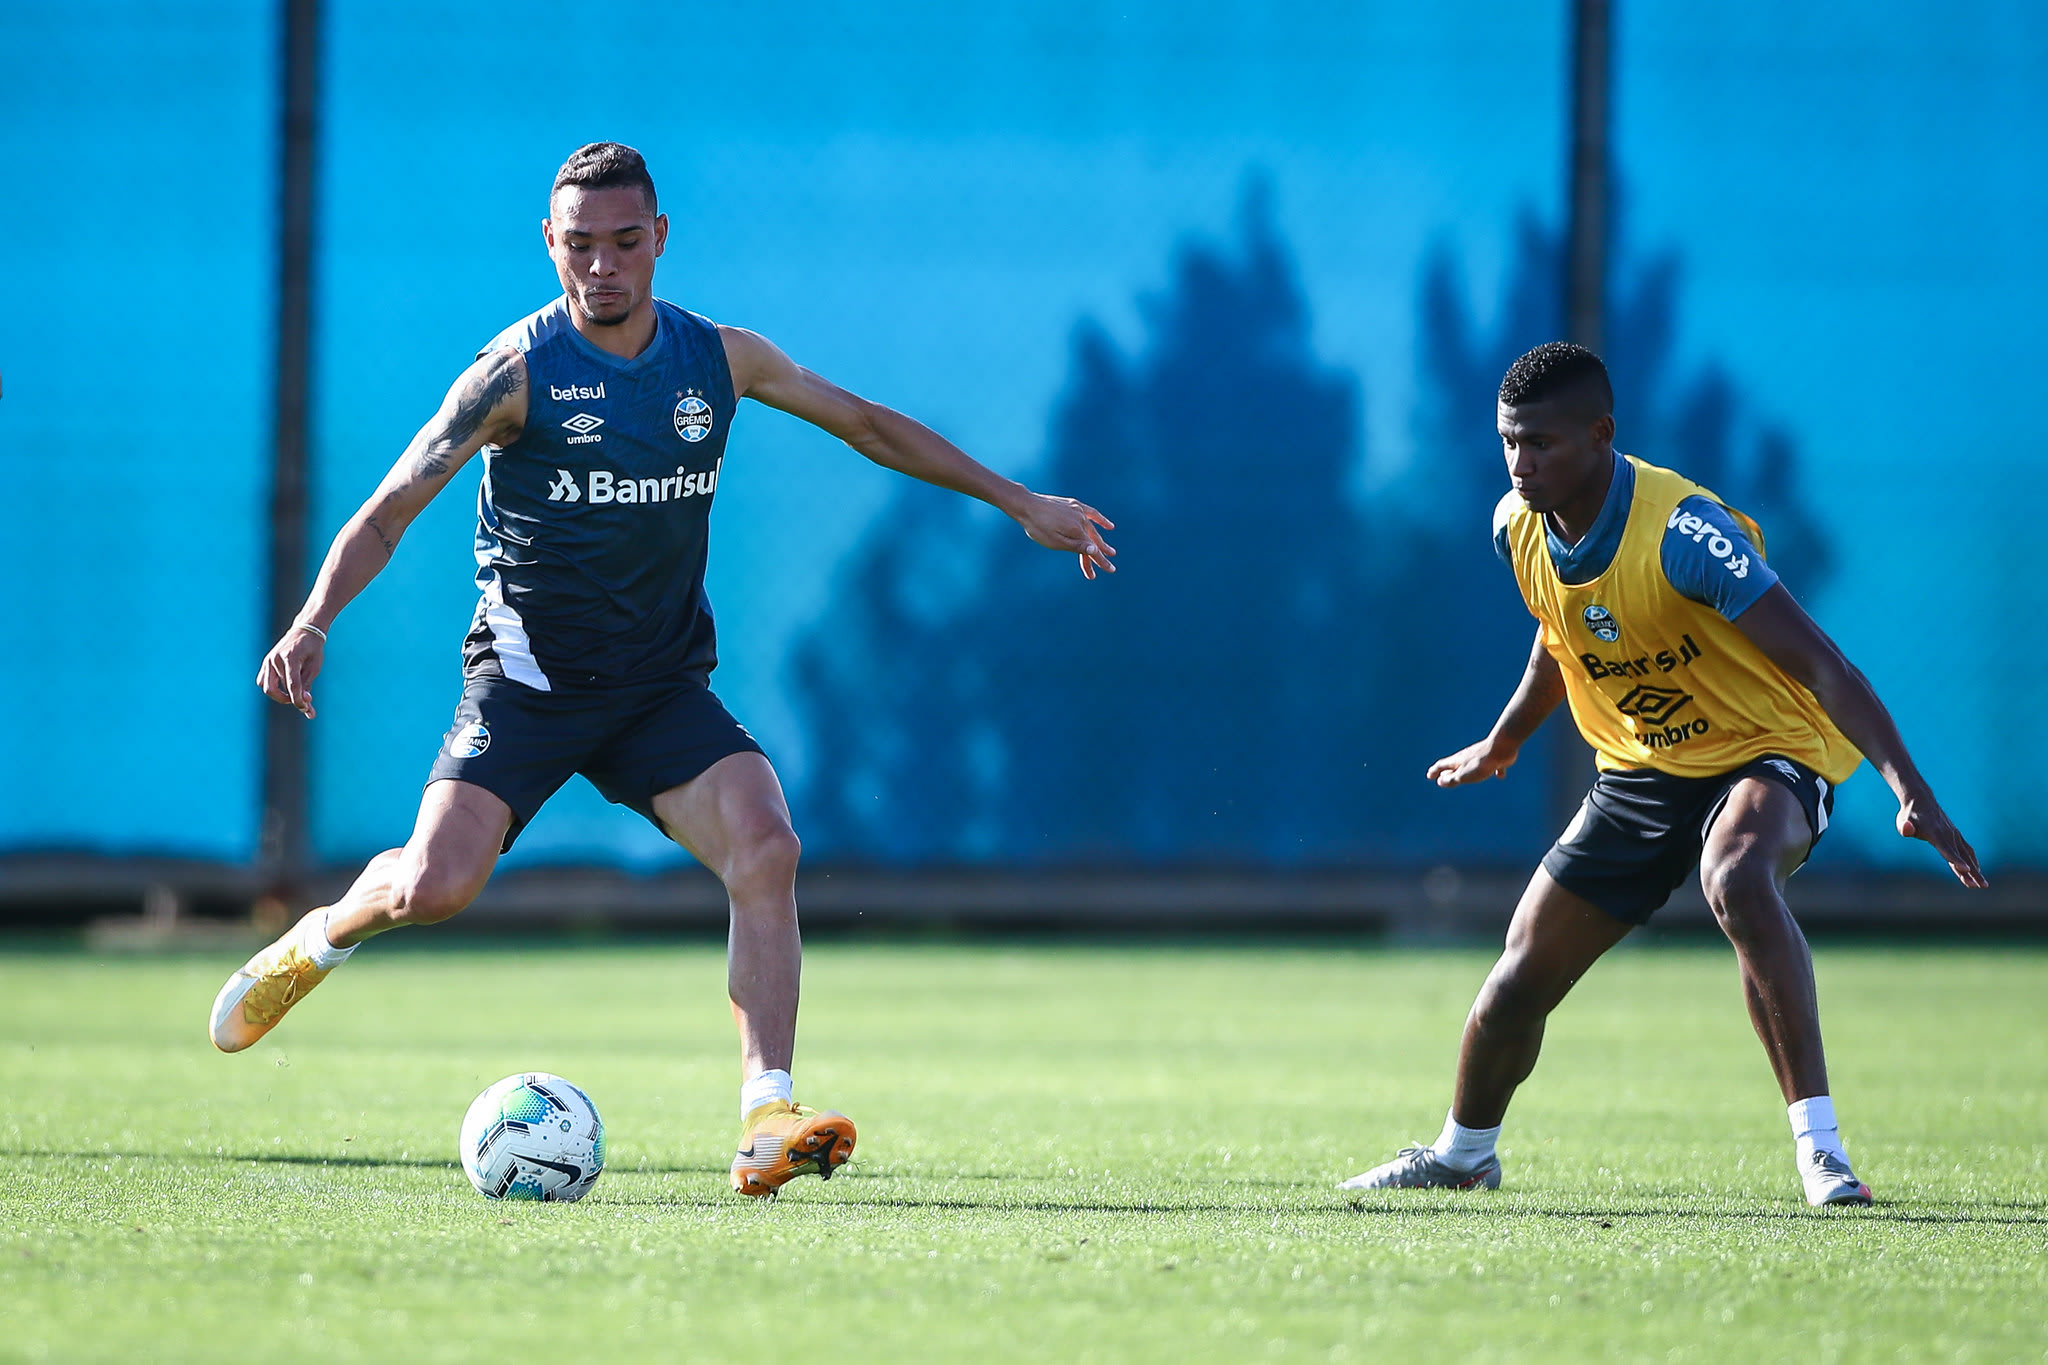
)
(693, 418)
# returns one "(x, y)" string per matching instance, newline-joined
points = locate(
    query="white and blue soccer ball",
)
(533, 1136)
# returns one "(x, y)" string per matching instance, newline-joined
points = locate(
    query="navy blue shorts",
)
(633, 741)
(1641, 832)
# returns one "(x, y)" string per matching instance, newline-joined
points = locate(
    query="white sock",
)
(769, 1085)
(1462, 1148)
(1813, 1128)
(319, 947)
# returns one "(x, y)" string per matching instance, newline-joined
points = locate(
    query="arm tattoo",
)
(390, 544)
(474, 406)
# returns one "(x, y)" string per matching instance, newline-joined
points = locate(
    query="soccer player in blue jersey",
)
(1722, 718)
(603, 420)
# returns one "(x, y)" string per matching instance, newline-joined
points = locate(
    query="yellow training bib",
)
(1655, 679)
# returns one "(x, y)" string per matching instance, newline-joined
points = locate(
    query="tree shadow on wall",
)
(1213, 701)
(1281, 657)
(1434, 516)
(1693, 421)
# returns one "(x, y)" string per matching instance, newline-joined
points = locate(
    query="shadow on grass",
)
(268, 1158)
(1605, 1217)
(2025, 1215)
(1988, 1213)
(305, 1159)
(981, 1205)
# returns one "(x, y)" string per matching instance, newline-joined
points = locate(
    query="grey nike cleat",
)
(1420, 1168)
(1829, 1180)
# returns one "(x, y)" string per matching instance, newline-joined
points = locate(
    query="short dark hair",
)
(605, 166)
(1557, 369)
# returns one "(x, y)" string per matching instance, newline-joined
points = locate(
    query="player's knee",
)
(1515, 994)
(1733, 881)
(428, 894)
(764, 857)
(1738, 890)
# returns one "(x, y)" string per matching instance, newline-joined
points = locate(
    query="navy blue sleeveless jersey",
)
(593, 526)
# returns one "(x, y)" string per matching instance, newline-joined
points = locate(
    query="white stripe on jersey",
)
(508, 633)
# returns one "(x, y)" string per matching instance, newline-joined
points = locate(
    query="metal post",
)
(286, 844)
(1586, 259)
(1585, 298)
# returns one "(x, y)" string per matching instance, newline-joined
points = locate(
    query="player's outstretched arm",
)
(762, 372)
(486, 406)
(1784, 632)
(1541, 689)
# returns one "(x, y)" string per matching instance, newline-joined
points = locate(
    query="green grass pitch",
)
(1068, 1153)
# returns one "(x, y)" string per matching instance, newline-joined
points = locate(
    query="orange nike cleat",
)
(780, 1141)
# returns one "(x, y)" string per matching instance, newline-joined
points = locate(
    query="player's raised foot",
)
(269, 984)
(1829, 1180)
(780, 1141)
(1420, 1168)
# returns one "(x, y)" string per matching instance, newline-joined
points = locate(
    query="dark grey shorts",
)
(1640, 832)
(633, 741)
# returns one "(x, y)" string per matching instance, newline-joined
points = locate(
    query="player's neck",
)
(1573, 518)
(625, 339)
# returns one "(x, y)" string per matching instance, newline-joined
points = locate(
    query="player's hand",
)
(290, 667)
(1064, 524)
(1921, 817)
(1475, 763)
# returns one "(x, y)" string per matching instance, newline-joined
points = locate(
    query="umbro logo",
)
(1657, 708)
(583, 424)
(1656, 705)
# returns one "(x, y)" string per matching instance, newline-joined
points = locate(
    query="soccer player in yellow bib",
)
(1722, 719)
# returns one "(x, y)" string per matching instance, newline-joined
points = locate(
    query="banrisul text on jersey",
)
(593, 527)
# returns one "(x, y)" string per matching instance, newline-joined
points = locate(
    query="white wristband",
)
(308, 625)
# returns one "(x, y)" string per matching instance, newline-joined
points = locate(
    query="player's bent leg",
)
(1758, 839)
(454, 845)
(1755, 843)
(1555, 936)
(443, 866)
(735, 821)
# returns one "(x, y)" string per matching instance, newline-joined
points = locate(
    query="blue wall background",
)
(1245, 279)
(136, 146)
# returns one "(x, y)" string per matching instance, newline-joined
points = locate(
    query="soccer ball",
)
(532, 1136)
